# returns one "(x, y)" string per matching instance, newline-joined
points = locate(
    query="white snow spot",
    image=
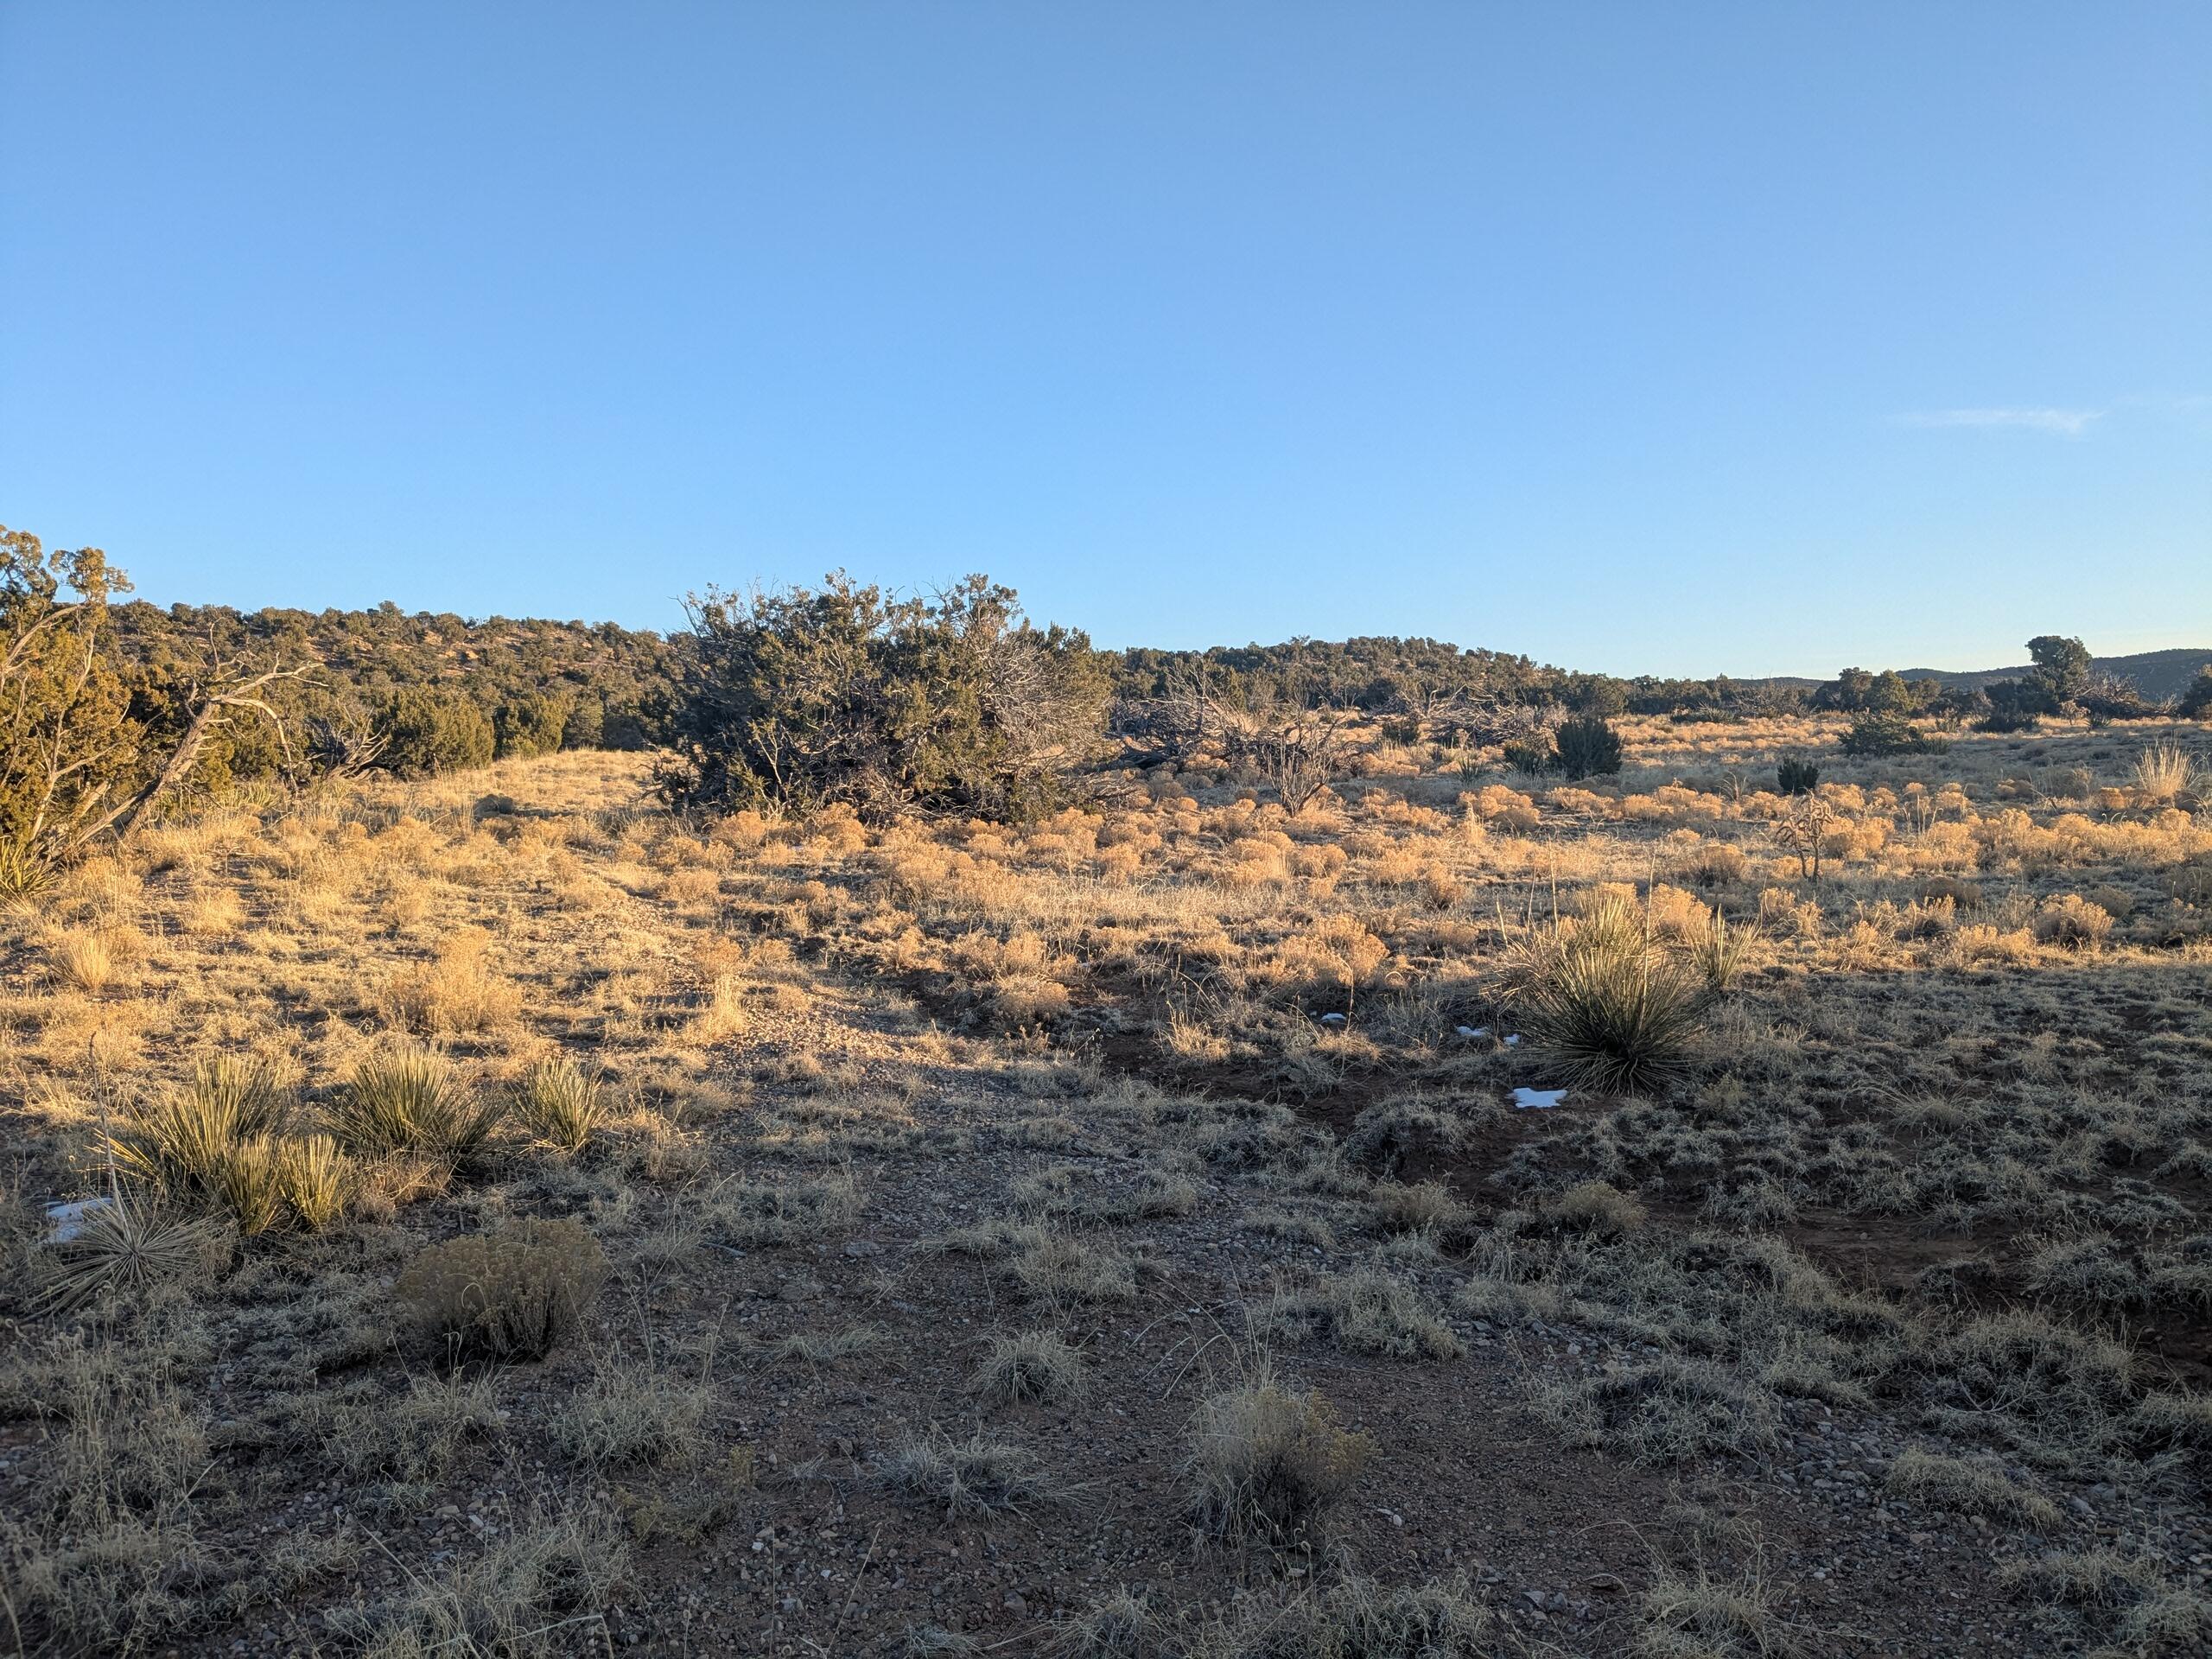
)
(69, 1219)
(1541, 1100)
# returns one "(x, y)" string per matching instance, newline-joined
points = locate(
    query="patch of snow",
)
(69, 1219)
(1539, 1100)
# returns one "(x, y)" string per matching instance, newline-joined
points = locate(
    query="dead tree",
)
(1173, 728)
(1485, 720)
(1299, 752)
(213, 702)
(340, 748)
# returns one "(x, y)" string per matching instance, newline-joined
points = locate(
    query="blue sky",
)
(1653, 339)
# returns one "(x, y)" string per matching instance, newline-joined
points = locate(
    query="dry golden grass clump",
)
(552, 1572)
(980, 1475)
(1596, 1207)
(1267, 1460)
(1030, 1365)
(1970, 1488)
(1699, 1614)
(1364, 1312)
(457, 992)
(85, 959)
(2072, 921)
(2164, 770)
(635, 1416)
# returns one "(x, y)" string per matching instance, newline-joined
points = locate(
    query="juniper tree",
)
(798, 698)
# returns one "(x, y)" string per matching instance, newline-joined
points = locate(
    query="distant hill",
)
(605, 682)
(2157, 674)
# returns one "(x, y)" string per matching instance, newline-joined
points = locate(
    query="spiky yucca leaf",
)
(124, 1245)
(560, 1102)
(178, 1144)
(1617, 1012)
(1719, 951)
(409, 1100)
(317, 1177)
(245, 1179)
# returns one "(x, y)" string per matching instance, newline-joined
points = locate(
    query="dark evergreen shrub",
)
(1588, 747)
(1881, 734)
(531, 723)
(804, 698)
(428, 730)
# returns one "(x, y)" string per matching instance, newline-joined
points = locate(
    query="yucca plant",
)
(1609, 924)
(175, 1143)
(247, 1092)
(25, 874)
(560, 1102)
(316, 1179)
(409, 1100)
(1719, 951)
(1614, 1008)
(126, 1244)
(245, 1179)
(1796, 776)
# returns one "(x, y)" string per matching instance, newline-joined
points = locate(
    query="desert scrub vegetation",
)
(1365, 1312)
(509, 1292)
(845, 696)
(560, 1102)
(1030, 1365)
(980, 1475)
(112, 710)
(410, 1099)
(935, 1159)
(1267, 1460)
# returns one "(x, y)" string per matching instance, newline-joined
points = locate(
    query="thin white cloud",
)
(2066, 422)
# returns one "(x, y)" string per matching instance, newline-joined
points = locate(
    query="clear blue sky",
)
(1663, 337)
